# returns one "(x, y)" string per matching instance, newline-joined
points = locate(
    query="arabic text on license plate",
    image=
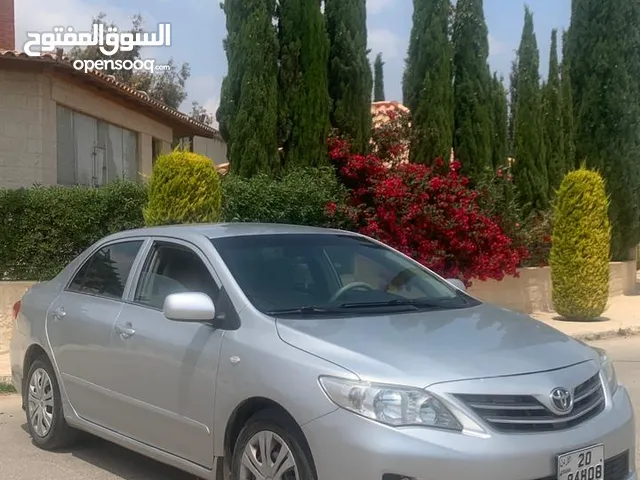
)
(584, 464)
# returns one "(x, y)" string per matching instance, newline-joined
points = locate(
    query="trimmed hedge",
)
(184, 188)
(580, 250)
(299, 197)
(44, 228)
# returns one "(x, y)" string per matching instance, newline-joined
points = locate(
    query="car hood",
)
(422, 348)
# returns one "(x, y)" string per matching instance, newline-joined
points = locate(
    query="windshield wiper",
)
(303, 310)
(417, 304)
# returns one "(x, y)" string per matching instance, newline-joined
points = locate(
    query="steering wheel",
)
(347, 287)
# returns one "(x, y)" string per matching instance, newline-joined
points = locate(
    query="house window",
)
(93, 152)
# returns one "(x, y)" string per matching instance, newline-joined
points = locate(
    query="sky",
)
(198, 29)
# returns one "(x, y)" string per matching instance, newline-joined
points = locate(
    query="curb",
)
(607, 334)
(6, 379)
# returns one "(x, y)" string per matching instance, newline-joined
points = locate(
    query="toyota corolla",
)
(264, 352)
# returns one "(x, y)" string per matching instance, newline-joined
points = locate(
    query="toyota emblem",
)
(562, 400)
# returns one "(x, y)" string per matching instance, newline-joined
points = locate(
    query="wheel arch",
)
(34, 352)
(241, 415)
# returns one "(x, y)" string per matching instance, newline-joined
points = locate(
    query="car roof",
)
(221, 230)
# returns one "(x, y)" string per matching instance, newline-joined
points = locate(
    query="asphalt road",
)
(96, 459)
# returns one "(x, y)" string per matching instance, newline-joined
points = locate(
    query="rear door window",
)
(105, 273)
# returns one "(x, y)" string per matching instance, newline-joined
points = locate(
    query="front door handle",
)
(125, 331)
(58, 313)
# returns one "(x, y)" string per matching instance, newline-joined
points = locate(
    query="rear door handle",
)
(125, 331)
(58, 313)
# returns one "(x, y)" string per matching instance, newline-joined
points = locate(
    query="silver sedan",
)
(264, 352)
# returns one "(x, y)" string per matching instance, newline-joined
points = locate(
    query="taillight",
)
(16, 308)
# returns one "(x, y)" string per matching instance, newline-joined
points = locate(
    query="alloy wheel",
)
(266, 456)
(40, 402)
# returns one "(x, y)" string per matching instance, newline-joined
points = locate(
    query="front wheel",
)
(45, 419)
(269, 447)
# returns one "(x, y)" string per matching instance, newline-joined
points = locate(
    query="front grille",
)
(616, 468)
(524, 413)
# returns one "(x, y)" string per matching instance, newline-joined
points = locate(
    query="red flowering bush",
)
(428, 213)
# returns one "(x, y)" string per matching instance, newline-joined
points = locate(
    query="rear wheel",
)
(45, 419)
(269, 447)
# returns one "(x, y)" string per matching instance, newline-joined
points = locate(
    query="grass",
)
(6, 388)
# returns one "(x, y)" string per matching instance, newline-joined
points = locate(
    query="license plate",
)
(583, 464)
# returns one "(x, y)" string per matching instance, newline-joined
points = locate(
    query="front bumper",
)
(347, 446)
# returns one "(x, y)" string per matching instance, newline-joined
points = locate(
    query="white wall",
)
(213, 148)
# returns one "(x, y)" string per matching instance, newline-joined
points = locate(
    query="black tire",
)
(60, 434)
(275, 422)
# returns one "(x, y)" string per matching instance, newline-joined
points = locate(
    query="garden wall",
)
(531, 291)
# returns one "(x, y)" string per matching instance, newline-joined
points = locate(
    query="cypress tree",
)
(230, 91)
(553, 120)
(567, 109)
(513, 99)
(472, 88)
(604, 58)
(529, 170)
(513, 96)
(303, 110)
(427, 87)
(500, 128)
(378, 87)
(249, 103)
(350, 78)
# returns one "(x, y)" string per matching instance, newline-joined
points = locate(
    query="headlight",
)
(608, 370)
(394, 406)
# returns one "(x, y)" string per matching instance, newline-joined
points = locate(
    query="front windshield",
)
(330, 273)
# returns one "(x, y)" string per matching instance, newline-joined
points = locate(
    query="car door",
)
(80, 324)
(166, 371)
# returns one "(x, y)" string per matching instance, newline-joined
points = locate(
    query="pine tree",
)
(427, 87)
(350, 77)
(249, 100)
(378, 89)
(554, 121)
(567, 109)
(303, 109)
(500, 119)
(529, 170)
(604, 56)
(472, 88)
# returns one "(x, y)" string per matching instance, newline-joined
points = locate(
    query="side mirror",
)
(189, 307)
(459, 284)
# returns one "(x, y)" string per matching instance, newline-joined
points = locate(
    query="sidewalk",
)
(622, 318)
(5, 368)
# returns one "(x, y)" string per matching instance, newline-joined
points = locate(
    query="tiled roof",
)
(199, 128)
(380, 110)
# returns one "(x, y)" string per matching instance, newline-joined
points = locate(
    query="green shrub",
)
(184, 188)
(581, 246)
(298, 197)
(536, 235)
(43, 228)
